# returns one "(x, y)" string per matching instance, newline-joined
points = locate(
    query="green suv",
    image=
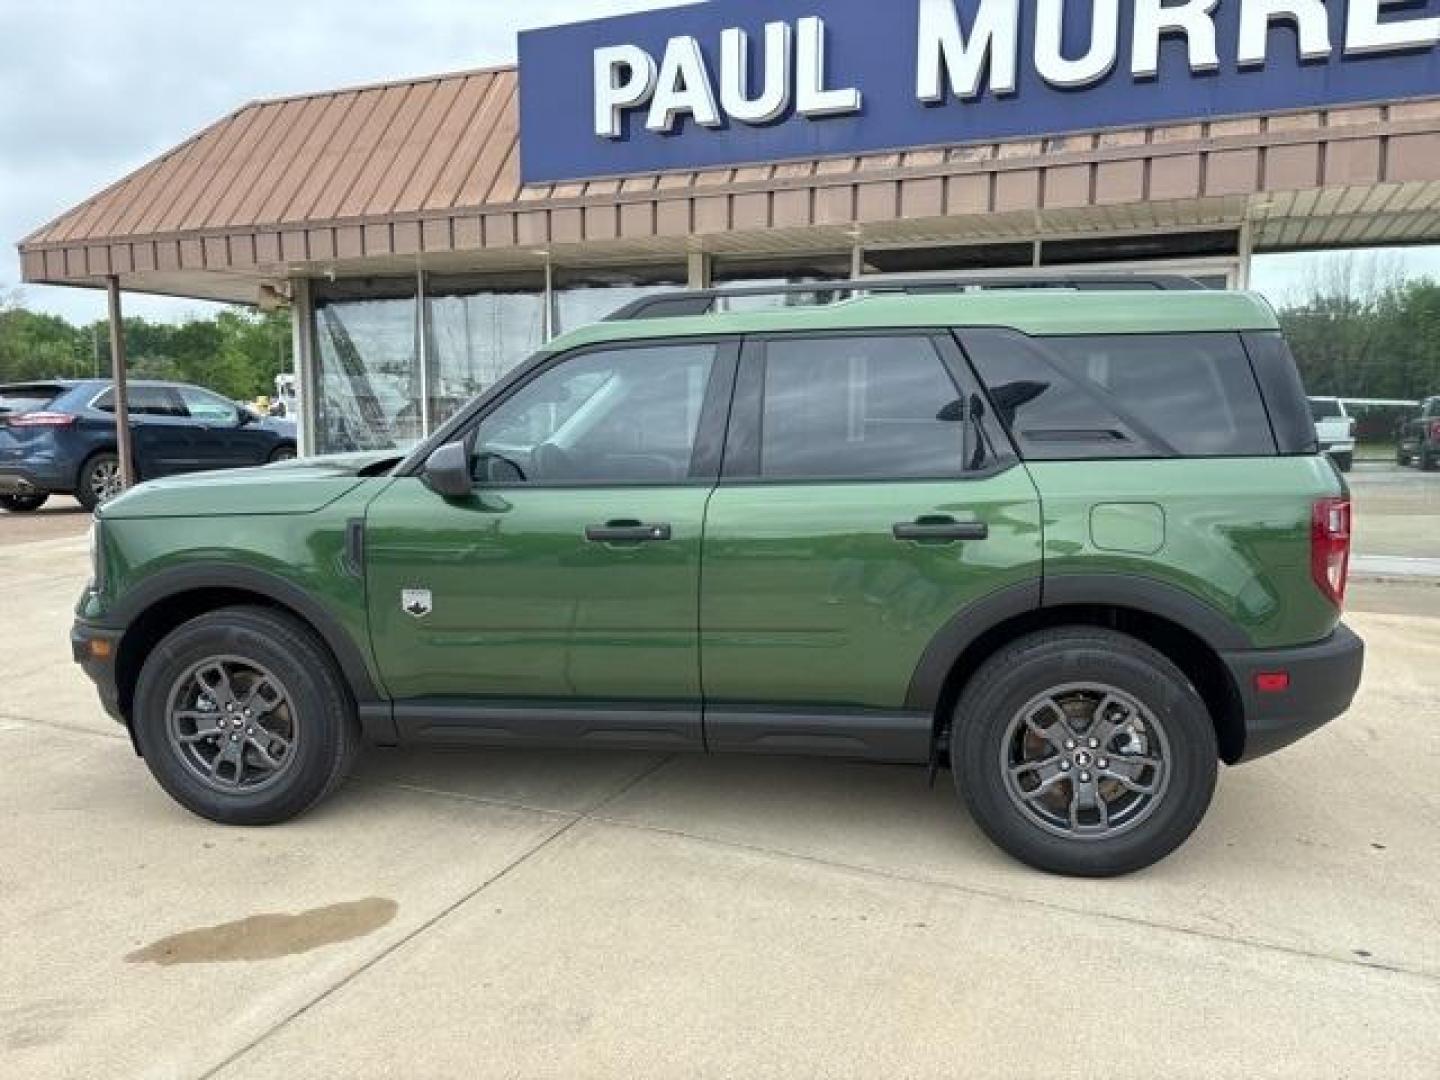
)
(1077, 544)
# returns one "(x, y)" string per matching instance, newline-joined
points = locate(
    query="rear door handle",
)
(626, 532)
(944, 529)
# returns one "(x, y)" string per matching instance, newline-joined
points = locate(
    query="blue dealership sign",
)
(740, 81)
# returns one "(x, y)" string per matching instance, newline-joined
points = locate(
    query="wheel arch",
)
(163, 602)
(1189, 632)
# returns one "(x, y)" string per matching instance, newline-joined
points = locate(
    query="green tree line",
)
(237, 352)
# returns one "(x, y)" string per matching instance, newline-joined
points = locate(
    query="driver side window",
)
(617, 416)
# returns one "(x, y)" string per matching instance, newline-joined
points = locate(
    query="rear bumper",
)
(28, 480)
(1323, 678)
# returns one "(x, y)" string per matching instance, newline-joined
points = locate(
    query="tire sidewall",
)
(983, 716)
(84, 495)
(319, 708)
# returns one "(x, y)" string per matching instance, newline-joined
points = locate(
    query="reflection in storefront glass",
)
(369, 369)
(480, 328)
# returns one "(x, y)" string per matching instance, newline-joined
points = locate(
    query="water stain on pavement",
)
(268, 937)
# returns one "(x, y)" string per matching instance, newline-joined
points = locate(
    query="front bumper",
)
(1323, 678)
(94, 649)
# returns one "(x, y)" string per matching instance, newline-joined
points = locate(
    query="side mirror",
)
(447, 471)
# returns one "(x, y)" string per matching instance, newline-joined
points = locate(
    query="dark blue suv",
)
(58, 436)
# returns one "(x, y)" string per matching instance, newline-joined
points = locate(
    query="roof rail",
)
(710, 301)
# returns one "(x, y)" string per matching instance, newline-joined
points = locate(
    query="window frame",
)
(710, 431)
(742, 459)
(132, 393)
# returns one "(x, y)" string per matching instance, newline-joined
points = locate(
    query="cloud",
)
(90, 91)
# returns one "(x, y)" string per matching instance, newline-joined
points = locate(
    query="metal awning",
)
(380, 178)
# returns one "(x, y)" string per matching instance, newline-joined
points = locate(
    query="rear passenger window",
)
(143, 401)
(1136, 395)
(858, 407)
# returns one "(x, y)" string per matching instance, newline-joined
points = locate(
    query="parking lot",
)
(513, 913)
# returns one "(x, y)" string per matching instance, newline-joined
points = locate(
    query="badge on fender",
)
(416, 602)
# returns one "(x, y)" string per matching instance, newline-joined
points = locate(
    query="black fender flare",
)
(166, 584)
(1149, 596)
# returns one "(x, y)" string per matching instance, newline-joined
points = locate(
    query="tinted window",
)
(1138, 395)
(618, 416)
(144, 401)
(852, 407)
(1324, 409)
(203, 405)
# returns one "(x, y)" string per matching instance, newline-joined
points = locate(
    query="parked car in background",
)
(1335, 428)
(1419, 442)
(57, 436)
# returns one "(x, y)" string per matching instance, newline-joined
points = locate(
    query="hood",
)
(288, 487)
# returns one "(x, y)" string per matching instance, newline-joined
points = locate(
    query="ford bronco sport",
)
(1077, 544)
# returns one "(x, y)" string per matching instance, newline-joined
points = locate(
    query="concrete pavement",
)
(607, 914)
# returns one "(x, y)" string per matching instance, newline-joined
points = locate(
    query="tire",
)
(94, 484)
(1401, 458)
(1428, 461)
(24, 504)
(282, 453)
(316, 718)
(1079, 665)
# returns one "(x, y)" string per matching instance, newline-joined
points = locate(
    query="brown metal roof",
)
(366, 178)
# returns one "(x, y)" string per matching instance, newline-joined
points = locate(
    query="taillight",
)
(1435, 430)
(43, 419)
(1330, 547)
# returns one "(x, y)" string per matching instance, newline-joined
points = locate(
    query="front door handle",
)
(941, 528)
(626, 532)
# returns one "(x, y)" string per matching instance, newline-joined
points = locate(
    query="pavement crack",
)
(73, 729)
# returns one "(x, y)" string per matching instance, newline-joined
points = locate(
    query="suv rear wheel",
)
(242, 717)
(1083, 751)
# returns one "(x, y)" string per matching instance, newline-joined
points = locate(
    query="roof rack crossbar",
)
(713, 300)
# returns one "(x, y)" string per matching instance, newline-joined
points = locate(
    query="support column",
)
(123, 443)
(307, 381)
(697, 266)
(1247, 250)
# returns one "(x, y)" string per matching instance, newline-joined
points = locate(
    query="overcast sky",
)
(91, 89)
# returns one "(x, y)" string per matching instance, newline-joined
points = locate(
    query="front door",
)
(559, 600)
(221, 439)
(866, 499)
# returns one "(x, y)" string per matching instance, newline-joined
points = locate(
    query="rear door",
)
(159, 428)
(866, 498)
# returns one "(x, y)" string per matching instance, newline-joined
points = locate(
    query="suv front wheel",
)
(1084, 751)
(242, 717)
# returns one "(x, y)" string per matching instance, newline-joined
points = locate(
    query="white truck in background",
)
(1336, 430)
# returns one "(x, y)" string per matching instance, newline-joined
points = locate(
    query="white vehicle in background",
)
(1336, 430)
(287, 399)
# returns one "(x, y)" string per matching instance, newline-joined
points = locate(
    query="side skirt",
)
(865, 734)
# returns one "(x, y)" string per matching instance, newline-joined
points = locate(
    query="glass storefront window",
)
(480, 327)
(583, 297)
(369, 368)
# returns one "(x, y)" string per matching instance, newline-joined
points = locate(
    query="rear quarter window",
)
(1123, 395)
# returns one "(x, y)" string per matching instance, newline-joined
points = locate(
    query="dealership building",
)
(429, 234)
